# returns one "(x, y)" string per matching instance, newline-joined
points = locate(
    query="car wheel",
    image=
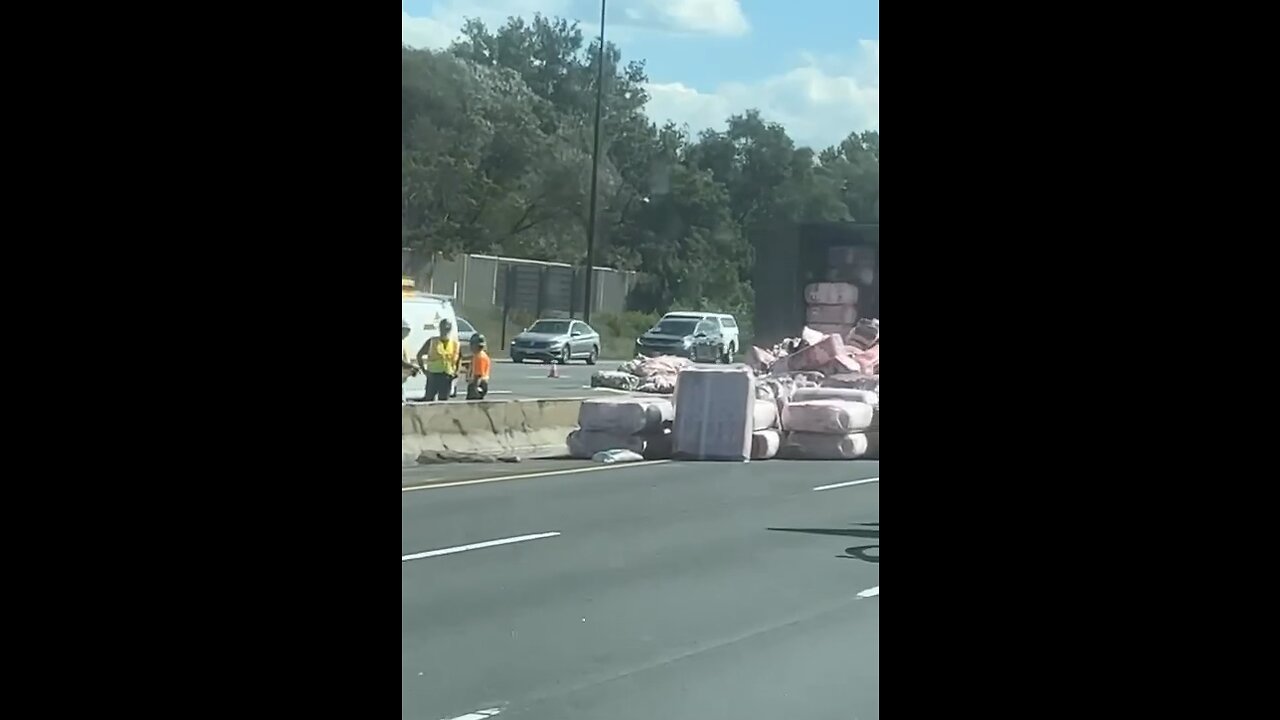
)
(595, 353)
(728, 355)
(564, 356)
(517, 359)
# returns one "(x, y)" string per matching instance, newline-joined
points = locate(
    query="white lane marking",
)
(476, 546)
(870, 592)
(846, 484)
(478, 714)
(500, 392)
(546, 473)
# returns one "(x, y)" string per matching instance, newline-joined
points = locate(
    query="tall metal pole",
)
(595, 172)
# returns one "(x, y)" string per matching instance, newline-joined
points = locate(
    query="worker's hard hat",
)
(477, 340)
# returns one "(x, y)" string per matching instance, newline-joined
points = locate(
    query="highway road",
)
(661, 590)
(529, 380)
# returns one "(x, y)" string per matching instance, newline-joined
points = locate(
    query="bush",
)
(618, 331)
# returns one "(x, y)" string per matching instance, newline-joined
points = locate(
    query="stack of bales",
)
(639, 424)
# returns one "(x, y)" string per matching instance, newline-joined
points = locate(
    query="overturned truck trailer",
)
(793, 257)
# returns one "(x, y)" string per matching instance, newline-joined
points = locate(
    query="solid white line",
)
(500, 392)
(476, 546)
(870, 592)
(846, 484)
(478, 715)
(547, 473)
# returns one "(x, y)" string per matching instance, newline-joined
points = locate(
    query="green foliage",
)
(496, 145)
(629, 324)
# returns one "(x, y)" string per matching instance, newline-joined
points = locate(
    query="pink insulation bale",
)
(715, 412)
(868, 360)
(865, 334)
(843, 364)
(765, 443)
(831, 293)
(853, 380)
(625, 415)
(834, 417)
(823, 446)
(815, 357)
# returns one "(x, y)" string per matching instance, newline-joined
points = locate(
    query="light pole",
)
(595, 171)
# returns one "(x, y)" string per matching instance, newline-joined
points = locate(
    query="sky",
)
(811, 65)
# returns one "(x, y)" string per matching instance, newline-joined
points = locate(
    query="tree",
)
(496, 141)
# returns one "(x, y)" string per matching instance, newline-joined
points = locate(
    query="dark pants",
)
(477, 389)
(439, 386)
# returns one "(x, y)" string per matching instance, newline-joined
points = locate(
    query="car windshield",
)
(679, 326)
(551, 327)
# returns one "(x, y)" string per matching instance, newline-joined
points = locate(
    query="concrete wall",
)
(525, 428)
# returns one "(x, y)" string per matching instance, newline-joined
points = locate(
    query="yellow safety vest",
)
(443, 356)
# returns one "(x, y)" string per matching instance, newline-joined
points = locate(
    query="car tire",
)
(565, 356)
(595, 353)
(517, 359)
(728, 355)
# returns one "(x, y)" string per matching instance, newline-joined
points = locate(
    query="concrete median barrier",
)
(488, 428)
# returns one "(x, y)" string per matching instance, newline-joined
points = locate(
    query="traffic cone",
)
(554, 372)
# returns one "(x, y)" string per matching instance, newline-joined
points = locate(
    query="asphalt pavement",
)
(509, 381)
(663, 590)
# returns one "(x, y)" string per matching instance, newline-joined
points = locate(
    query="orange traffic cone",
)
(554, 372)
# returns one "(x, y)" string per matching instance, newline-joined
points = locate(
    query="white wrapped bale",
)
(834, 417)
(586, 443)
(715, 413)
(625, 415)
(831, 393)
(765, 415)
(765, 443)
(823, 446)
(831, 293)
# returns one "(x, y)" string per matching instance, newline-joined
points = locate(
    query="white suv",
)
(662, 340)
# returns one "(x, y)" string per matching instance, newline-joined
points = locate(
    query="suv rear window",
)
(729, 322)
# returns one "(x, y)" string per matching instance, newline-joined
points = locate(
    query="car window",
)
(729, 322)
(585, 328)
(464, 326)
(552, 327)
(706, 327)
(675, 326)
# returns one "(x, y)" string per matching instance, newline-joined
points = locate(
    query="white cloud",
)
(819, 103)
(700, 17)
(712, 17)
(447, 17)
(425, 32)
